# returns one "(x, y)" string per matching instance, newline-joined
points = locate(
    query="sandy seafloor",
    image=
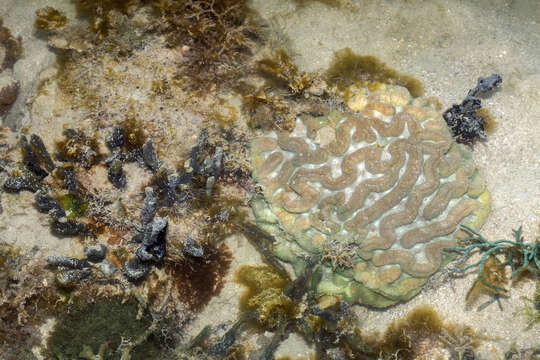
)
(445, 44)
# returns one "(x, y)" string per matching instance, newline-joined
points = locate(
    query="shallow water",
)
(446, 45)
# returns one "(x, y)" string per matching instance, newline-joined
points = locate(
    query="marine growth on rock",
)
(377, 193)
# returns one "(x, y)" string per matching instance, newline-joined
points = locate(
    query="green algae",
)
(265, 294)
(348, 68)
(101, 324)
(73, 205)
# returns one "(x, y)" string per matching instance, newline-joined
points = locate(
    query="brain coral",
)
(377, 192)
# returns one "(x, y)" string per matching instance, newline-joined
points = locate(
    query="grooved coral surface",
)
(377, 191)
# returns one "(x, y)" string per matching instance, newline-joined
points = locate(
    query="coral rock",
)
(379, 201)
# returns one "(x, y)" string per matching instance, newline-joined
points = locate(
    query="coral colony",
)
(378, 193)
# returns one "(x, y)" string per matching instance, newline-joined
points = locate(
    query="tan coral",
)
(379, 192)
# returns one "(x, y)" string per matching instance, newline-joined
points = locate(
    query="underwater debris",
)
(468, 121)
(520, 256)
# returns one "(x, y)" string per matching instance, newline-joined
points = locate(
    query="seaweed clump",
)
(468, 121)
(267, 111)
(79, 148)
(348, 68)
(280, 71)
(13, 47)
(264, 294)
(218, 37)
(25, 291)
(421, 331)
(103, 326)
(532, 312)
(520, 256)
(100, 13)
(200, 275)
(12, 50)
(287, 91)
(48, 18)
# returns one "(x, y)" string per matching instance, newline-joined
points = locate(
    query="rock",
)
(16, 184)
(149, 156)
(106, 268)
(115, 139)
(148, 210)
(65, 227)
(116, 174)
(135, 269)
(46, 203)
(70, 278)
(96, 253)
(68, 262)
(192, 250)
(41, 151)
